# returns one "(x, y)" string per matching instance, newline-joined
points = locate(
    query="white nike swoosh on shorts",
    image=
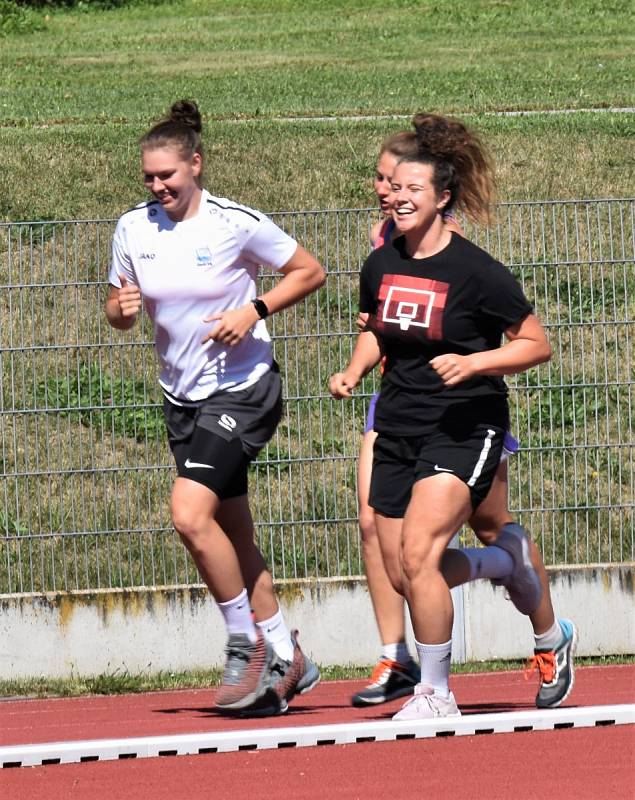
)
(194, 464)
(437, 468)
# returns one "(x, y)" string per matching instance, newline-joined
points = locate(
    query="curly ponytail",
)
(461, 164)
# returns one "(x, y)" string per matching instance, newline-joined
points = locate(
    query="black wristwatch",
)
(261, 308)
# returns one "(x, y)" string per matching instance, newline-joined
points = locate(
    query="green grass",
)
(260, 58)
(125, 683)
(93, 397)
(17, 19)
(76, 96)
(93, 171)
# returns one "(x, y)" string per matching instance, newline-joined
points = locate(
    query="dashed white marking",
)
(48, 753)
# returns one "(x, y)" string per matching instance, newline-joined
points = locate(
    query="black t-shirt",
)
(460, 301)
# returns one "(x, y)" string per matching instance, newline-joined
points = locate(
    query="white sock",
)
(435, 665)
(277, 634)
(237, 615)
(488, 562)
(398, 651)
(550, 639)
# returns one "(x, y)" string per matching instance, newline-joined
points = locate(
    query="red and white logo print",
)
(414, 304)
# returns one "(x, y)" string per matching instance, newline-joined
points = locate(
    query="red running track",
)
(575, 763)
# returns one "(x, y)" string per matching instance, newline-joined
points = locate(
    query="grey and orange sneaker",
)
(555, 668)
(288, 678)
(246, 675)
(389, 681)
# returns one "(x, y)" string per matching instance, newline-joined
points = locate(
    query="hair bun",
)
(187, 113)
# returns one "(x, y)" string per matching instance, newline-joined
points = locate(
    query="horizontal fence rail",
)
(84, 463)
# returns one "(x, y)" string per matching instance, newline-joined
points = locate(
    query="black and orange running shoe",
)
(389, 681)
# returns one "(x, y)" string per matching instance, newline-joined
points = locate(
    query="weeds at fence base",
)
(123, 682)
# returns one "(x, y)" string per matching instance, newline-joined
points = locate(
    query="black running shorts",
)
(214, 441)
(471, 452)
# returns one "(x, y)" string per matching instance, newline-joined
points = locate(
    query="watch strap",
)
(261, 308)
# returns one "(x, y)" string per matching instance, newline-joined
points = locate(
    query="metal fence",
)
(86, 471)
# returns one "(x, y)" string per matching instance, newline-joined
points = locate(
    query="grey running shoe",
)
(389, 681)
(288, 678)
(523, 585)
(427, 704)
(245, 679)
(555, 668)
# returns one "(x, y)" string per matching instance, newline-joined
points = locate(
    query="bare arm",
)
(527, 346)
(302, 273)
(123, 305)
(366, 355)
(375, 231)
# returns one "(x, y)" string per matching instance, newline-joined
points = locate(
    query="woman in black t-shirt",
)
(438, 308)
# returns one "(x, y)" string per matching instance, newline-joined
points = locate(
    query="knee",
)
(411, 567)
(415, 564)
(488, 526)
(488, 536)
(367, 527)
(189, 525)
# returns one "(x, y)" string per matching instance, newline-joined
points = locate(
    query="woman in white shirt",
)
(192, 260)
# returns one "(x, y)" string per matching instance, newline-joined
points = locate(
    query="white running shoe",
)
(427, 704)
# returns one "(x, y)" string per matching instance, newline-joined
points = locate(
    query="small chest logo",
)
(147, 256)
(203, 257)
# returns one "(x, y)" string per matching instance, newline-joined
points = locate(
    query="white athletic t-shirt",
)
(187, 271)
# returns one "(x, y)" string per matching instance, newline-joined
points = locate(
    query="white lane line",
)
(47, 753)
(530, 112)
(533, 112)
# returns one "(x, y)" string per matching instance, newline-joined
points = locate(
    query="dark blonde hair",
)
(400, 144)
(461, 163)
(181, 129)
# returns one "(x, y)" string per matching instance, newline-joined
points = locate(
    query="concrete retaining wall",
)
(148, 630)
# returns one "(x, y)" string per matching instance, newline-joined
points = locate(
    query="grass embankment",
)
(76, 95)
(274, 57)
(92, 172)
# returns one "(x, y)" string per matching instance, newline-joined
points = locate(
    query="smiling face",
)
(413, 198)
(383, 175)
(172, 179)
